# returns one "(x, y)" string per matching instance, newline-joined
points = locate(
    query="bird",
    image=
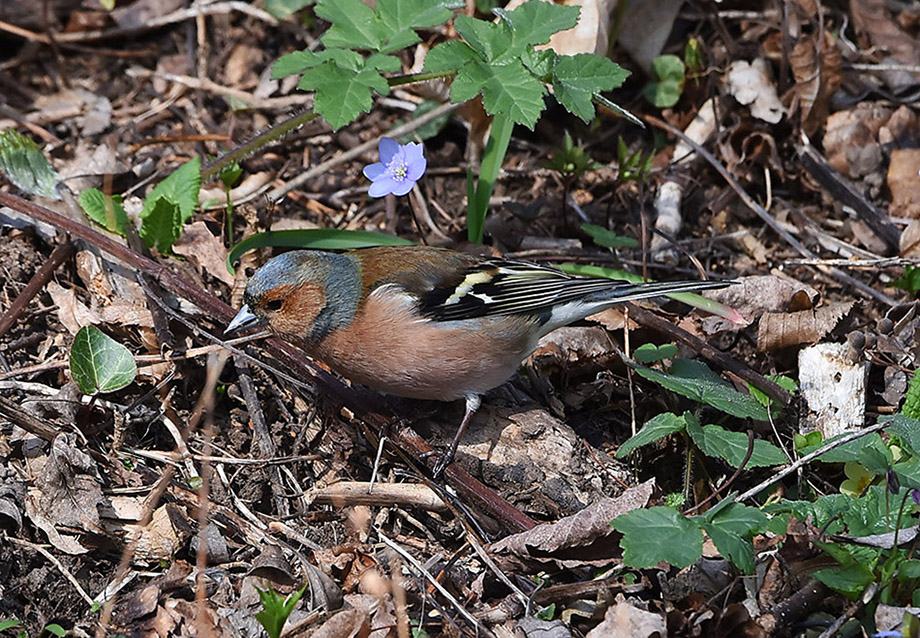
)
(424, 322)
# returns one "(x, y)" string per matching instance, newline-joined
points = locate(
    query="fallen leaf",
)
(203, 249)
(624, 620)
(818, 75)
(904, 182)
(778, 330)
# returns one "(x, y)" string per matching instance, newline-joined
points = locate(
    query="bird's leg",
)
(472, 404)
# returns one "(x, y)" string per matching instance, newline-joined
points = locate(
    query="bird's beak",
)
(243, 319)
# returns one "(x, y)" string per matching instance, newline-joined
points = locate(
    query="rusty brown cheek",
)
(300, 309)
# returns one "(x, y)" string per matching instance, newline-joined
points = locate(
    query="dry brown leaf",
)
(873, 18)
(206, 251)
(158, 540)
(71, 313)
(904, 182)
(817, 76)
(854, 128)
(579, 537)
(755, 295)
(910, 240)
(779, 330)
(625, 621)
(348, 623)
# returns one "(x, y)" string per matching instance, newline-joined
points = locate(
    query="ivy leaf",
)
(658, 534)
(162, 224)
(98, 363)
(577, 78)
(342, 94)
(663, 425)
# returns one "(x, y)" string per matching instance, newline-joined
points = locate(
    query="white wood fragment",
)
(834, 388)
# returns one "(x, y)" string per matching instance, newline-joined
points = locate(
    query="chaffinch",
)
(426, 323)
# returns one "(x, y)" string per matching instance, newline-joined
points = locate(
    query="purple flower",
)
(400, 166)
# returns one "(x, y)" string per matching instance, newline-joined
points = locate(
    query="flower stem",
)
(412, 78)
(492, 159)
(265, 138)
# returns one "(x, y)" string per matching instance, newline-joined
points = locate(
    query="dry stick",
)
(766, 217)
(289, 355)
(650, 319)
(54, 561)
(852, 436)
(58, 256)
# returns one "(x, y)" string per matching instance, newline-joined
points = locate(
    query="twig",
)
(765, 216)
(58, 256)
(424, 573)
(54, 561)
(805, 460)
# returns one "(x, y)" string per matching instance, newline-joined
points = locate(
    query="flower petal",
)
(374, 171)
(381, 187)
(387, 149)
(414, 152)
(403, 187)
(416, 169)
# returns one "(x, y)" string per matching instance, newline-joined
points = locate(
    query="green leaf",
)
(98, 363)
(162, 225)
(105, 210)
(577, 78)
(607, 238)
(342, 94)
(650, 353)
(26, 167)
(9, 624)
(695, 381)
(540, 63)
(822, 510)
(354, 25)
(402, 16)
(55, 629)
(855, 571)
(534, 23)
(658, 534)
(657, 428)
(849, 451)
(180, 187)
(449, 56)
(276, 609)
(488, 39)
(907, 428)
(316, 239)
(670, 71)
(731, 529)
(300, 61)
(512, 91)
(282, 9)
(716, 441)
(909, 281)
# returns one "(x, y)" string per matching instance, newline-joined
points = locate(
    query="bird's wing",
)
(502, 287)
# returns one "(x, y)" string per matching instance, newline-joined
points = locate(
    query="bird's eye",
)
(274, 304)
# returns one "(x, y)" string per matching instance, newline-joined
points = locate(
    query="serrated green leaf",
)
(162, 224)
(341, 94)
(515, 93)
(658, 534)
(399, 15)
(657, 428)
(180, 187)
(850, 580)
(294, 63)
(383, 62)
(908, 429)
(849, 451)
(449, 56)
(354, 25)
(488, 39)
(105, 210)
(98, 363)
(26, 167)
(534, 23)
(731, 528)
(577, 78)
(540, 62)
(695, 381)
(716, 441)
